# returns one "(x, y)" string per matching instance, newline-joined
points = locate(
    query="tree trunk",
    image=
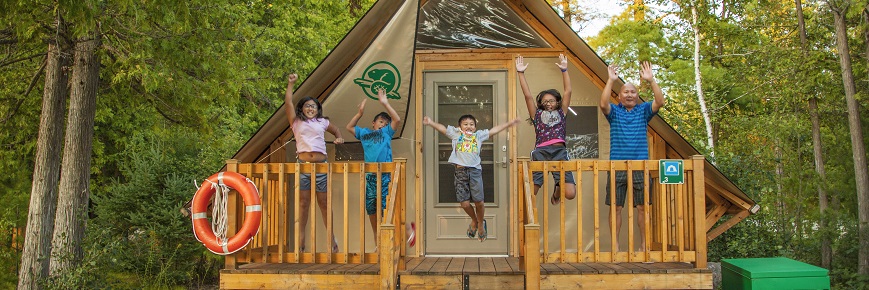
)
(698, 81)
(857, 148)
(823, 200)
(46, 168)
(74, 180)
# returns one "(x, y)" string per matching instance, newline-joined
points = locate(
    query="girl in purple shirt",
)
(547, 114)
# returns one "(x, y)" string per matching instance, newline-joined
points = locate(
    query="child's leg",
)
(463, 195)
(472, 213)
(477, 195)
(322, 203)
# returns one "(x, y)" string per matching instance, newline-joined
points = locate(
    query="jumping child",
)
(466, 144)
(547, 115)
(309, 127)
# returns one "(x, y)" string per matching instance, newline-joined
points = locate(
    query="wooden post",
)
(699, 210)
(232, 214)
(532, 256)
(387, 259)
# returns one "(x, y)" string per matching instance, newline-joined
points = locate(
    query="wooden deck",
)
(468, 273)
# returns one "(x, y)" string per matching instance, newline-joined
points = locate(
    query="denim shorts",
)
(622, 188)
(371, 189)
(551, 153)
(305, 179)
(469, 184)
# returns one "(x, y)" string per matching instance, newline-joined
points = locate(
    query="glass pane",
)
(446, 184)
(445, 24)
(455, 101)
(581, 132)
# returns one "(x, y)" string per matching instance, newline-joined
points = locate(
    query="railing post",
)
(532, 256)
(387, 260)
(232, 215)
(699, 210)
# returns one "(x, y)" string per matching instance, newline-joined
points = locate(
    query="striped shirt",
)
(628, 131)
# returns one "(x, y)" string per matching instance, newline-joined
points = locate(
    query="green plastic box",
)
(772, 273)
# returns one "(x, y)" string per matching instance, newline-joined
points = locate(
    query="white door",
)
(447, 96)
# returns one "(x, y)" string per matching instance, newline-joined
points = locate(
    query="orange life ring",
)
(252, 212)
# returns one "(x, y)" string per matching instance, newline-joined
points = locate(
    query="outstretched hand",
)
(381, 96)
(362, 106)
(646, 71)
(292, 79)
(521, 66)
(613, 72)
(426, 120)
(563, 63)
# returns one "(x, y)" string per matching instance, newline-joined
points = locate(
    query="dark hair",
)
(465, 117)
(552, 92)
(383, 115)
(301, 104)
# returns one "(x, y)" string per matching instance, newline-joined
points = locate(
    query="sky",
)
(608, 8)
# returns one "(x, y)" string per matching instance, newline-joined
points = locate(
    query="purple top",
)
(549, 127)
(310, 135)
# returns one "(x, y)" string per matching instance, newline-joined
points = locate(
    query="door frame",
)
(453, 62)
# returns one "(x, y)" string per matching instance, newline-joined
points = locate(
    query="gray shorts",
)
(469, 184)
(305, 179)
(551, 153)
(622, 188)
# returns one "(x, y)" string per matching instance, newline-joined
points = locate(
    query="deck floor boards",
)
(471, 265)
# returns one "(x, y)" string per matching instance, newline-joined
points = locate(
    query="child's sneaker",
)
(411, 229)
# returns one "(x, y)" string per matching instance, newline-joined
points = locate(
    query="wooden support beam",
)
(388, 270)
(727, 225)
(715, 214)
(532, 257)
(699, 209)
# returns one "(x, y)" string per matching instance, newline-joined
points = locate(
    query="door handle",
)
(504, 162)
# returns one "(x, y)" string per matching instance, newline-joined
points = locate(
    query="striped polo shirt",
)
(628, 131)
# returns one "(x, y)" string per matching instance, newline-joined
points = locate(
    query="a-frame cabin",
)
(446, 58)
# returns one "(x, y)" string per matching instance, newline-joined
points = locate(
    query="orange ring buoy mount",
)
(252, 212)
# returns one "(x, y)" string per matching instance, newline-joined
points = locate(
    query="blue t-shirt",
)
(376, 144)
(628, 131)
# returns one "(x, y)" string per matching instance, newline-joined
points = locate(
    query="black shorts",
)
(622, 188)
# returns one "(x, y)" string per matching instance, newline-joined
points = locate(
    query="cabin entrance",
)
(447, 96)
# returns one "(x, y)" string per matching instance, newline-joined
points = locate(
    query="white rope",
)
(219, 212)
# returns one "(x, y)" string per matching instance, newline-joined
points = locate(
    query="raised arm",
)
(381, 96)
(521, 66)
(288, 98)
(437, 126)
(503, 126)
(351, 126)
(607, 90)
(647, 74)
(335, 132)
(565, 77)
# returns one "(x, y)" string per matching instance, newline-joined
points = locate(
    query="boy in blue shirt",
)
(377, 146)
(628, 121)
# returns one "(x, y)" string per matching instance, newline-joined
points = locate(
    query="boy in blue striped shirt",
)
(628, 121)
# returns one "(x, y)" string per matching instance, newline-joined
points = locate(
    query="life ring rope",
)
(213, 235)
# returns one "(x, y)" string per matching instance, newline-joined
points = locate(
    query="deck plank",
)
(618, 269)
(502, 267)
(567, 268)
(653, 268)
(601, 269)
(551, 269)
(487, 266)
(514, 264)
(456, 266)
(412, 264)
(425, 266)
(472, 266)
(440, 266)
(583, 268)
(636, 269)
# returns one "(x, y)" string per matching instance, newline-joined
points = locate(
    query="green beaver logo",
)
(380, 75)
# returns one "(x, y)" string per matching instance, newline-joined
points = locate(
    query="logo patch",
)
(380, 75)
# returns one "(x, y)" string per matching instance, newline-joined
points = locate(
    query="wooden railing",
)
(278, 240)
(675, 218)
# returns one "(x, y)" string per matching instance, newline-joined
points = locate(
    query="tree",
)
(575, 13)
(858, 151)
(74, 188)
(43, 196)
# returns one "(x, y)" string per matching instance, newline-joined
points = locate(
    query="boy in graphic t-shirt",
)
(466, 143)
